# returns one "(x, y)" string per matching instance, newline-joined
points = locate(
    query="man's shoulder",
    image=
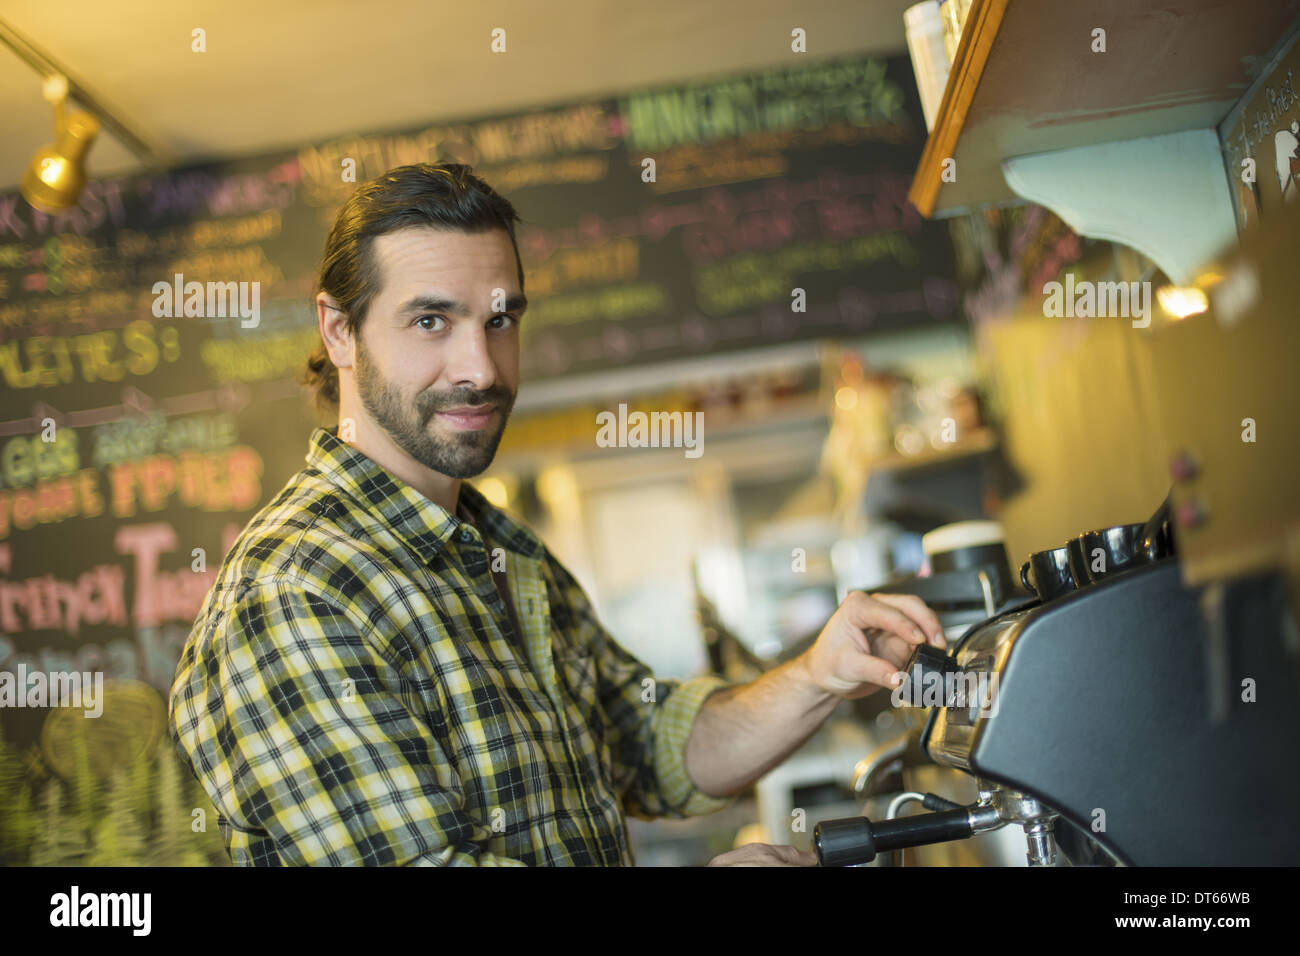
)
(310, 535)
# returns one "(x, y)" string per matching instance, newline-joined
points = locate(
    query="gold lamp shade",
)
(57, 173)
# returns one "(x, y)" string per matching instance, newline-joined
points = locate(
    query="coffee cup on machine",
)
(1048, 574)
(1095, 554)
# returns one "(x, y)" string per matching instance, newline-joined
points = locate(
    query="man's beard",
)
(464, 454)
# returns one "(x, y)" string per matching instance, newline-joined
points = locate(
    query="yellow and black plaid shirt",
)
(354, 690)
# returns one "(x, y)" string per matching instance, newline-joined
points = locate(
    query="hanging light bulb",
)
(57, 173)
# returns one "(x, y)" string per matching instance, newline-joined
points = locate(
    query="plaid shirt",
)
(354, 690)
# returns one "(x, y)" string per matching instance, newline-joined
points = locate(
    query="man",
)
(389, 670)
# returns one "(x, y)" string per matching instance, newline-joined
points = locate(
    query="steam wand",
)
(854, 841)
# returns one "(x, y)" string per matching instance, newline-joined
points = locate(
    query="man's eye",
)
(429, 318)
(503, 321)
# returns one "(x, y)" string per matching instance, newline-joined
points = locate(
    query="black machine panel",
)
(1104, 713)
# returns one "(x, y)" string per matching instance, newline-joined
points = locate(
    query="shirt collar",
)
(421, 522)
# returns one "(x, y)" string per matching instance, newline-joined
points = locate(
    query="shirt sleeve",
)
(313, 736)
(648, 719)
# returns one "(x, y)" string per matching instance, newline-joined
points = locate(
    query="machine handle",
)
(844, 842)
(853, 840)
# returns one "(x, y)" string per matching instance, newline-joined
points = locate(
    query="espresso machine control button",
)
(926, 684)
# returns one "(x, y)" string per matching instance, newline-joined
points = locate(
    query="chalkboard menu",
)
(137, 438)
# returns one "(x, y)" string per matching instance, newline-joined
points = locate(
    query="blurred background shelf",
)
(1107, 113)
(976, 443)
(1026, 80)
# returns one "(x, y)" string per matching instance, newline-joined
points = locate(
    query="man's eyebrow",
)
(437, 303)
(432, 303)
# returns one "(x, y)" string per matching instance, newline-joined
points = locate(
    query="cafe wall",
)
(1078, 416)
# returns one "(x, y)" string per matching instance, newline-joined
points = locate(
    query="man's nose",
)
(469, 361)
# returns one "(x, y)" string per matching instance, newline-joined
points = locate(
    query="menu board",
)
(1260, 141)
(137, 436)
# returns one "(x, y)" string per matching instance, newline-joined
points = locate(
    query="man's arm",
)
(743, 732)
(303, 729)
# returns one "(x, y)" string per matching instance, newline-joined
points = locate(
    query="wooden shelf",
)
(1026, 81)
(976, 443)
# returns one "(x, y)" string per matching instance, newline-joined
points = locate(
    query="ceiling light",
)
(57, 173)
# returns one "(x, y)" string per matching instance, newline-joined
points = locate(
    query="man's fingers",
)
(790, 856)
(895, 650)
(866, 669)
(864, 611)
(764, 854)
(919, 612)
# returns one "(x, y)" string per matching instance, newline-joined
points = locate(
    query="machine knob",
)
(925, 672)
(846, 842)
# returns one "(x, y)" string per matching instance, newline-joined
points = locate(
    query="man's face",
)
(439, 367)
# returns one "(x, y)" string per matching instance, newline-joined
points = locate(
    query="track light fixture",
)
(57, 173)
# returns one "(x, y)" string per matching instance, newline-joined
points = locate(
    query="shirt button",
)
(465, 535)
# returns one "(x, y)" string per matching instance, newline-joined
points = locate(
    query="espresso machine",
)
(1112, 715)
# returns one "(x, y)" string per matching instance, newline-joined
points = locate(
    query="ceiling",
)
(277, 75)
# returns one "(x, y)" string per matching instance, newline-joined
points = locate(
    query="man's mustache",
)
(498, 395)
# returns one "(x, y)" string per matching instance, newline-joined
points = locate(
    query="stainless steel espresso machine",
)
(1112, 716)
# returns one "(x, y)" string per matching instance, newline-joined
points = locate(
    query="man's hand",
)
(867, 640)
(763, 854)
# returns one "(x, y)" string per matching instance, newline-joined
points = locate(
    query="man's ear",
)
(334, 330)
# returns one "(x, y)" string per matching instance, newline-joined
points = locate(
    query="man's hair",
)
(441, 196)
